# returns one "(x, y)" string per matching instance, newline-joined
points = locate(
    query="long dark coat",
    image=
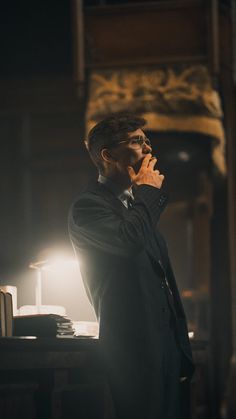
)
(126, 271)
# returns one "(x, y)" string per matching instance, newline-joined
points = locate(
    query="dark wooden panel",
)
(151, 34)
(52, 194)
(35, 38)
(56, 132)
(10, 191)
(43, 166)
(38, 94)
(226, 38)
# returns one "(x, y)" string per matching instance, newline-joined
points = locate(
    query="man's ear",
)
(107, 156)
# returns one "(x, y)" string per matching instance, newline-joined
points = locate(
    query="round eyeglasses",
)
(135, 142)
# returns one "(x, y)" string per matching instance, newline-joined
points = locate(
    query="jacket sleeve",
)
(94, 223)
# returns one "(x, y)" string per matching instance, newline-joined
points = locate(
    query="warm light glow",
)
(191, 335)
(57, 263)
(59, 284)
(184, 156)
(187, 293)
(86, 328)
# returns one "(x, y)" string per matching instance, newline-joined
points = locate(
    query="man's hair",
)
(109, 131)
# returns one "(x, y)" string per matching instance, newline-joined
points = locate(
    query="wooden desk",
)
(18, 353)
(63, 378)
(56, 378)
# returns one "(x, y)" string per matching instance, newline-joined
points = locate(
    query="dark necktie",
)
(130, 202)
(128, 199)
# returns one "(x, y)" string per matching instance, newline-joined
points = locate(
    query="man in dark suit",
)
(128, 276)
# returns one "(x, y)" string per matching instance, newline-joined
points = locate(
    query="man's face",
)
(131, 153)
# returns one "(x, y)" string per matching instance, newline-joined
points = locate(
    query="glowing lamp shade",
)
(56, 263)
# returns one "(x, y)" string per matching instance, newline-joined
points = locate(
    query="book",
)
(42, 325)
(2, 314)
(13, 291)
(8, 313)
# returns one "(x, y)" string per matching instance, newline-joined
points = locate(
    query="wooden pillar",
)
(230, 123)
(228, 87)
(78, 50)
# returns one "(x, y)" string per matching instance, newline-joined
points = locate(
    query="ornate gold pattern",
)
(173, 98)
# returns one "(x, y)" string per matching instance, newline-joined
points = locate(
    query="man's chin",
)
(137, 165)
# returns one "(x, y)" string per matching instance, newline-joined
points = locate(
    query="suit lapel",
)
(100, 189)
(154, 249)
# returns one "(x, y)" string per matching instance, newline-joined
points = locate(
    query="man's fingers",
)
(131, 172)
(152, 162)
(158, 173)
(146, 160)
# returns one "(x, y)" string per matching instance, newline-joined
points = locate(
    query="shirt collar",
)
(121, 194)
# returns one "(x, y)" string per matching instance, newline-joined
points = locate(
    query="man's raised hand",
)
(146, 174)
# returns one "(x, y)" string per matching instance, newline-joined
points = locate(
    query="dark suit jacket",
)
(124, 263)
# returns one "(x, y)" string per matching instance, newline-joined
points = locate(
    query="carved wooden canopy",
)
(170, 98)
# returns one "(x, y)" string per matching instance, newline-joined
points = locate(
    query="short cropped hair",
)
(111, 130)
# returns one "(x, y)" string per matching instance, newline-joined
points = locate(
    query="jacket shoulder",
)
(95, 198)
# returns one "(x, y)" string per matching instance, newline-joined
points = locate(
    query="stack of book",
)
(6, 314)
(43, 325)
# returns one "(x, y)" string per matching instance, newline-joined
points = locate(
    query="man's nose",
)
(147, 148)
